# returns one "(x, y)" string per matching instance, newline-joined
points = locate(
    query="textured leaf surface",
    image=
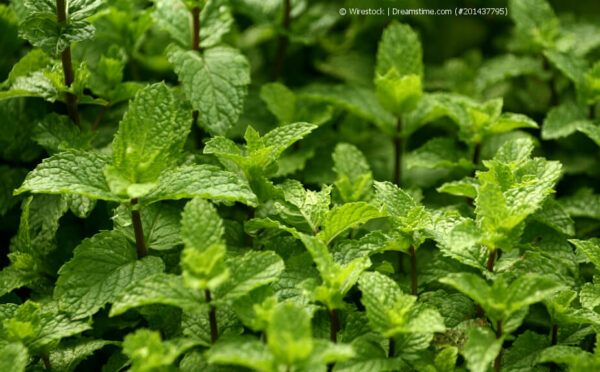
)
(13, 357)
(72, 171)
(163, 289)
(248, 272)
(102, 266)
(347, 216)
(150, 138)
(481, 349)
(215, 84)
(202, 181)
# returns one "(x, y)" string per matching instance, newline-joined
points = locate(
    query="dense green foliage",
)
(274, 185)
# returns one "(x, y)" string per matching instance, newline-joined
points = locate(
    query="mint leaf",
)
(347, 216)
(74, 172)
(42, 30)
(280, 100)
(13, 357)
(250, 271)
(101, 267)
(150, 139)
(354, 177)
(148, 352)
(202, 181)
(215, 84)
(163, 289)
(289, 334)
(245, 352)
(481, 349)
(392, 312)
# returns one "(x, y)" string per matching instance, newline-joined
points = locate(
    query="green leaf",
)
(57, 133)
(399, 69)
(525, 351)
(174, 17)
(398, 94)
(159, 289)
(501, 300)
(535, 21)
(150, 139)
(10, 179)
(248, 272)
(160, 223)
(392, 312)
(215, 84)
(70, 172)
(359, 101)
(202, 181)
(590, 247)
(201, 225)
(33, 61)
(481, 349)
(42, 30)
(243, 351)
(498, 69)
(399, 48)
(69, 354)
(148, 352)
(13, 357)
(289, 334)
(101, 268)
(439, 152)
(280, 101)
(564, 120)
(347, 216)
(583, 203)
(41, 327)
(354, 177)
(465, 187)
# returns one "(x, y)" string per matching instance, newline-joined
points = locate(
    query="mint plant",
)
(203, 185)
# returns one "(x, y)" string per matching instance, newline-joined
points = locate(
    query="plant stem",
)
(138, 230)
(46, 360)
(592, 111)
(398, 148)
(282, 42)
(196, 47)
(99, 117)
(392, 350)
(67, 64)
(335, 325)
(212, 318)
(196, 31)
(413, 271)
(553, 91)
(490, 262)
(498, 336)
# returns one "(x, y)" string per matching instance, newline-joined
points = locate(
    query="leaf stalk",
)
(138, 230)
(282, 41)
(212, 318)
(67, 65)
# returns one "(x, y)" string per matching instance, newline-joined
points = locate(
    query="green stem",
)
(413, 271)
(67, 64)
(498, 359)
(282, 42)
(138, 230)
(212, 318)
(398, 149)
